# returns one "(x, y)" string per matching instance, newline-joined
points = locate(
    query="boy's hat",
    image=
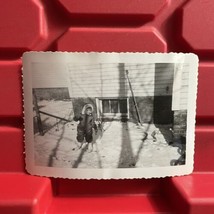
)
(87, 106)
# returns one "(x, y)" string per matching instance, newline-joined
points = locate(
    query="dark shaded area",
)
(205, 120)
(52, 93)
(79, 159)
(181, 144)
(144, 137)
(44, 126)
(110, 20)
(162, 113)
(12, 53)
(100, 19)
(126, 158)
(162, 109)
(16, 122)
(179, 136)
(82, 187)
(54, 151)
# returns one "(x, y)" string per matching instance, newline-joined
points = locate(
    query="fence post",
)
(36, 107)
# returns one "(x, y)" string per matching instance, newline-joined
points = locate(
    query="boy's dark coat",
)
(85, 127)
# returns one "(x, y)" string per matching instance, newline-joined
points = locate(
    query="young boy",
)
(85, 126)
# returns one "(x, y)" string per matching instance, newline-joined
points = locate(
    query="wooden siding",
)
(109, 80)
(100, 80)
(151, 79)
(180, 87)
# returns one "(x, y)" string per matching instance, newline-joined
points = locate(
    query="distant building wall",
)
(153, 85)
(52, 93)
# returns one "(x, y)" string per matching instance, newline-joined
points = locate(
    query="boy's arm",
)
(77, 118)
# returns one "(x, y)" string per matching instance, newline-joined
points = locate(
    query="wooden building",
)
(157, 88)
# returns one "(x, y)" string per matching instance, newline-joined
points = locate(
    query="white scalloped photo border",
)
(95, 57)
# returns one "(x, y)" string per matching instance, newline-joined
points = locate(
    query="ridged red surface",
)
(143, 7)
(19, 17)
(137, 25)
(10, 83)
(200, 14)
(147, 39)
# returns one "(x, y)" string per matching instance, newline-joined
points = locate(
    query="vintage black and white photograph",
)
(89, 113)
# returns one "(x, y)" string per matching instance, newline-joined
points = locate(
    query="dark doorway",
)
(162, 110)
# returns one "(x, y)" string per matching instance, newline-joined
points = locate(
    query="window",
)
(123, 106)
(106, 106)
(114, 107)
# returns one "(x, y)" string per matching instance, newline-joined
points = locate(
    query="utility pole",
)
(134, 99)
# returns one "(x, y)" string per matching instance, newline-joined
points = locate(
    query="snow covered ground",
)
(118, 144)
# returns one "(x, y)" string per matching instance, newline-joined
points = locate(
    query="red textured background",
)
(96, 25)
